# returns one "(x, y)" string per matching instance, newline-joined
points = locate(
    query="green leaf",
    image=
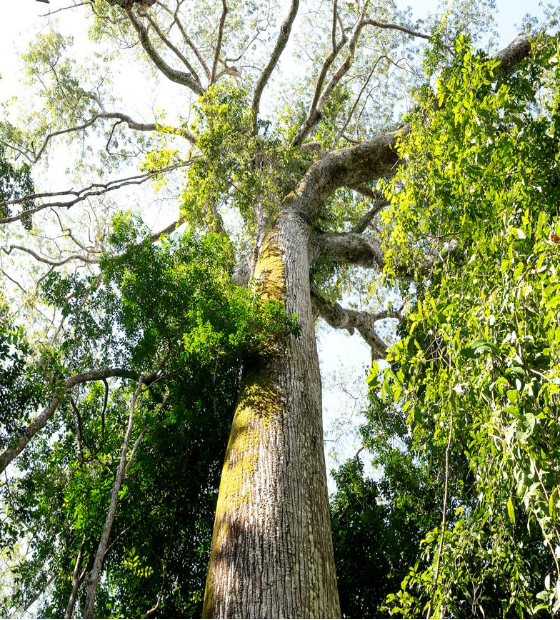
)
(511, 511)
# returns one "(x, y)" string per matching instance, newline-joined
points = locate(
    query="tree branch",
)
(41, 420)
(95, 573)
(49, 261)
(379, 203)
(346, 318)
(95, 189)
(313, 116)
(353, 248)
(281, 42)
(376, 157)
(219, 41)
(179, 77)
(173, 48)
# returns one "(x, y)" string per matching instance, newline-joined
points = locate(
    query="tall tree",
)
(301, 175)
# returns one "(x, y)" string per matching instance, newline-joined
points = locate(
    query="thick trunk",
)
(272, 553)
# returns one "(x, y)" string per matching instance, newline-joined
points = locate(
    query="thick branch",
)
(353, 248)
(346, 318)
(179, 77)
(41, 420)
(376, 157)
(281, 43)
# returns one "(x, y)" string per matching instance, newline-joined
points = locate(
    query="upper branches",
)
(376, 157)
(281, 43)
(69, 198)
(175, 75)
(323, 91)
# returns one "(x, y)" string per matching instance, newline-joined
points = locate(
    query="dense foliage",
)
(475, 376)
(169, 311)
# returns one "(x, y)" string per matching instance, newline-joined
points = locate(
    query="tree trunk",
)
(272, 554)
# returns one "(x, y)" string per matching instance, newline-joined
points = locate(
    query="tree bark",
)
(272, 554)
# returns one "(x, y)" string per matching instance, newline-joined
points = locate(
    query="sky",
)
(345, 359)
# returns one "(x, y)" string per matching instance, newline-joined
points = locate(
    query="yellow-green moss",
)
(269, 271)
(258, 401)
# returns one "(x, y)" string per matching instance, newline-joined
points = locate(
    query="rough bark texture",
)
(272, 554)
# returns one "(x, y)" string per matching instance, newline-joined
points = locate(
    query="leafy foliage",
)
(476, 372)
(171, 309)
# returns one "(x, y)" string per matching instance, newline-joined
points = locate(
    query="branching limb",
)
(179, 77)
(95, 189)
(346, 318)
(41, 420)
(281, 42)
(187, 39)
(313, 115)
(218, 49)
(173, 47)
(388, 26)
(34, 155)
(509, 58)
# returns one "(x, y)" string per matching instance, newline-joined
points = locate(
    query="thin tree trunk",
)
(272, 554)
(77, 579)
(95, 573)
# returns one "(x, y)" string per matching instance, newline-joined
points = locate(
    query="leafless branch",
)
(281, 42)
(173, 47)
(187, 39)
(388, 26)
(346, 318)
(313, 115)
(218, 48)
(50, 261)
(179, 77)
(93, 190)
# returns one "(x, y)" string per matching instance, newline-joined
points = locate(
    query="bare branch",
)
(313, 116)
(387, 26)
(219, 41)
(49, 261)
(346, 318)
(187, 39)
(172, 47)
(95, 189)
(34, 155)
(179, 77)
(281, 42)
